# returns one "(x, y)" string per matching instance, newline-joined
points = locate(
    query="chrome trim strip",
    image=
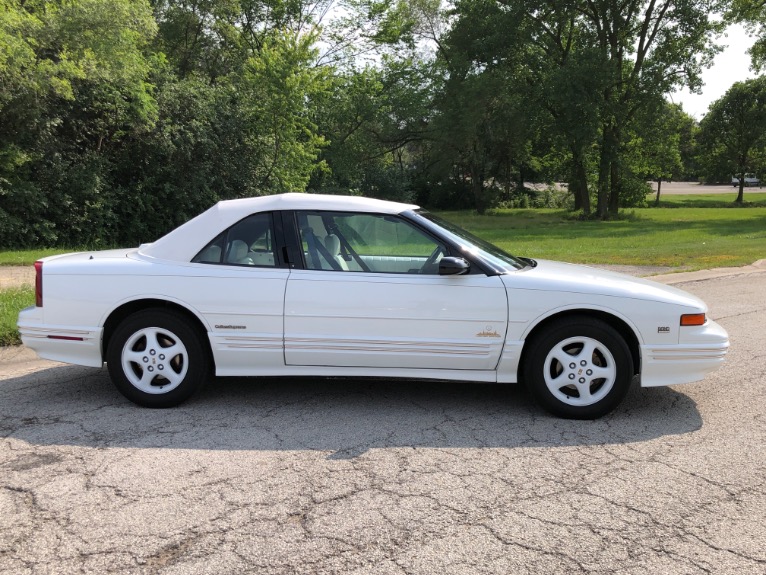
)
(689, 349)
(45, 333)
(390, 350)
(224, 341)
(482, 321)
(56, 331)
(680, 354)
(689, 357)
(387, 343)
(246, 338)
(252, 346)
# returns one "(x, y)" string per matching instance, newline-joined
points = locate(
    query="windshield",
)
(474, 245)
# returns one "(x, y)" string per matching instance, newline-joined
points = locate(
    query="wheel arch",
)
(617, 323)
(124, 310)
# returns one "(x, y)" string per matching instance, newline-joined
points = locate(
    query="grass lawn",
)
(708, 234)
(12, 301)
(752, 200)
(29, 257)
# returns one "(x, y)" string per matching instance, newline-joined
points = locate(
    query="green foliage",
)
(373, 120)
(525, 77)
(274, 88)
(688, 130)
(12, 301)
(533, 199)
(105, 139)
(120, 119)
(74, 86)
(751, 15)
(654, 148)
(733, 133)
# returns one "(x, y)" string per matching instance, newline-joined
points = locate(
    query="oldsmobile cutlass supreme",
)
(300, 284)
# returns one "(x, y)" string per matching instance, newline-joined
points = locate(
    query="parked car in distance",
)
(750, 180)
(311, 285)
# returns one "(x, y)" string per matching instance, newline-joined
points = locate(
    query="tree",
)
(647, 48)
(751, 14)
(277, 88)
(653, 149)
(214, 38)
(482, 126)
(734, 129)
(688, 130)
(378, 117)
(73, 83)
(628, 54)
(373, 120)
(104, 138)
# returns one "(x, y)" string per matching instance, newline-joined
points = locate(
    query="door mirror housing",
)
(450, 266)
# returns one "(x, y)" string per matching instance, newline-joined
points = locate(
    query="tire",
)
(578, 368)
(156, 358)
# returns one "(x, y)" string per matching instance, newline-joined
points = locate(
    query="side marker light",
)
(693, 319)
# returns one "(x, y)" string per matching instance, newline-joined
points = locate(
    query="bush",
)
(633, 193)
(547, 198)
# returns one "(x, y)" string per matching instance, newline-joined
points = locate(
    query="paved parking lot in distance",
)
(683, 188)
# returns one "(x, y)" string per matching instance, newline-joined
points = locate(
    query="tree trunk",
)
(576, 193)
(659, 186)
(579, 183)
(477, 187)
(741, 194)
(604, 171)
(608, 173)
(614, 188)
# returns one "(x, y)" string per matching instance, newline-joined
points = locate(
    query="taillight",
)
(39, 283)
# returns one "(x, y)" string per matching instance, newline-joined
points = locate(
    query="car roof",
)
(294, 201)
(184, 242)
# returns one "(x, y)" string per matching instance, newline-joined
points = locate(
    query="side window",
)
(249, 242)
(343, 241)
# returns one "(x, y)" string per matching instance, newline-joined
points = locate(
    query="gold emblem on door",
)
(488, 331)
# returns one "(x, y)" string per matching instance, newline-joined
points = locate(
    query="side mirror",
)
(450, 266)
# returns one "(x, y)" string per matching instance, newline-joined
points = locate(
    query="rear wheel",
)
(156, 358)
(579, 368)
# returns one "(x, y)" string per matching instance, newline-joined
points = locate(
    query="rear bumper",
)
(80, 345)
(703, 350)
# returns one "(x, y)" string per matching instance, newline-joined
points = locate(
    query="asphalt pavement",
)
(347, 476)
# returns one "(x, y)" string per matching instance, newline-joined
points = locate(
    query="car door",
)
(370, 295)
(238, 285)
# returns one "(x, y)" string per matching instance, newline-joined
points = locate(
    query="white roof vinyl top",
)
(293, 201)
(184, 242)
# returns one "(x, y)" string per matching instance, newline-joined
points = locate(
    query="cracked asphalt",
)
(347, 476)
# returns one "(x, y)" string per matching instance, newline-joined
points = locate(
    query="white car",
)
(299, 284)
(750, 180)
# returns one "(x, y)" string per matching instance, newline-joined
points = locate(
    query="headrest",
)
(332, 243)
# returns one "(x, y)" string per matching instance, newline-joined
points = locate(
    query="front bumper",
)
(701, 350)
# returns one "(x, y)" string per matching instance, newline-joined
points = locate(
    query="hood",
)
(572, 278)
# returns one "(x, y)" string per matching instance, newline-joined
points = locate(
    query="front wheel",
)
(157, 359)
(579, 368)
